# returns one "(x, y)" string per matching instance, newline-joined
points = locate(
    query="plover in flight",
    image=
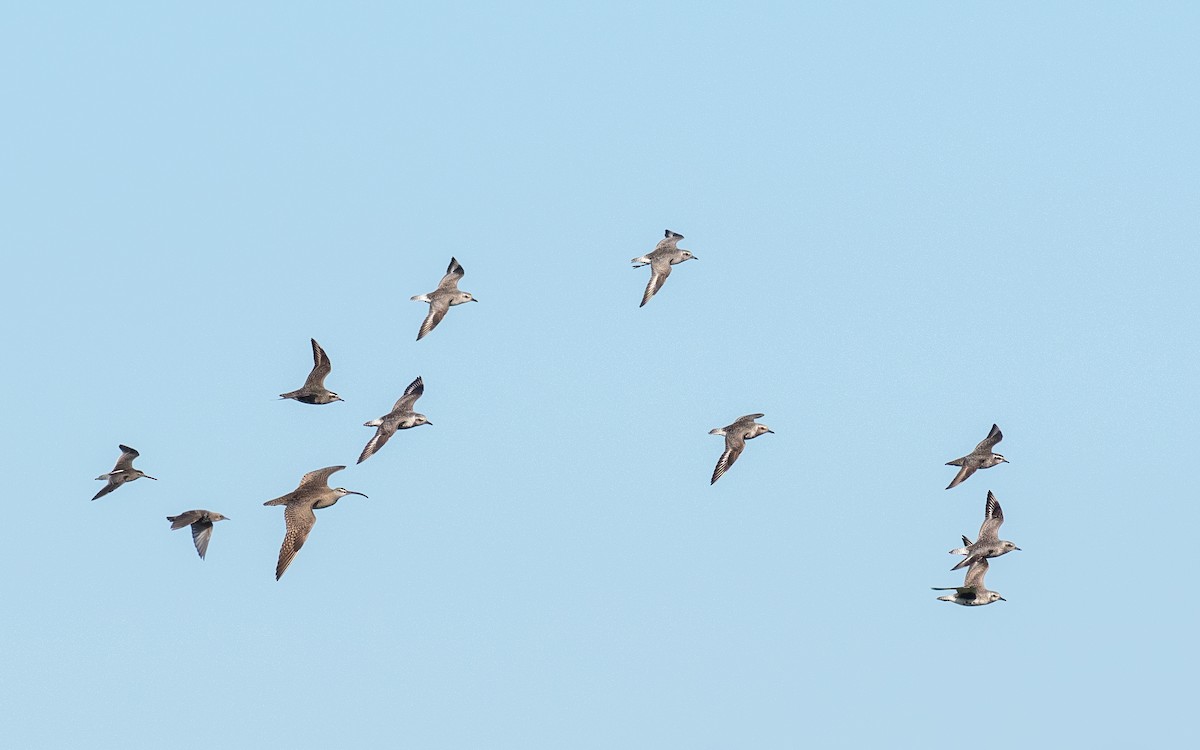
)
(443, 298)
(736, 435)
(401, 417)
(989, 543)
(314, 492)
(201, 522)
(313, 391)
(980, 458)
(660, 260)
(123, 472)
(972, 593)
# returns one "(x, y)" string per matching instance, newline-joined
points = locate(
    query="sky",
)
(912, 221)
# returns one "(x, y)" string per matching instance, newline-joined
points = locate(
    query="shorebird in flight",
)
(988, 543)
(440, 300)
(980, 458)
(314, 391)
(972, 593)
(313, 492)
(660, 260)
(201, 522)
(736, 435)
(401, 417)
(123, 472)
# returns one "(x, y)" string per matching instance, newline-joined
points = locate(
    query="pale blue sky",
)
(913, 220)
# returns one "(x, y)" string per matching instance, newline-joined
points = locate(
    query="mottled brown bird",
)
(314, 492)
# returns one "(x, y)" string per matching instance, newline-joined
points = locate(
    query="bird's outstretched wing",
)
(734, 444)
(321, 367)
(126, 460)
(437, 310)
(966, 471)
(413, 392)
(989, 442)
(993, 517)
(454, 272)
(319, 477)
(381, 436)
(201, 533)
(300, 519)
(659, 271)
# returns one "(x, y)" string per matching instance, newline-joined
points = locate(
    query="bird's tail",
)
(717, 431)
(373, 423)
(963, 549)
(956, 462)
(176, 524)
(639, 262)
(103, 477)
(419, 298)
(946, 598)
(278, 501)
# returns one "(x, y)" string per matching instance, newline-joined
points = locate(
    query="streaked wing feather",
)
(734, 444)
(993, 517)
(300, 519)
(454, 272)
(978, 570)
(437, 311)
(413, 392)
(376, 442)
(319, 477)
(658, 276)
(321, 367)
(201, 533)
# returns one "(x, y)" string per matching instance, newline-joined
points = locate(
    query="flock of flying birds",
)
(973, 592)
(314, 492)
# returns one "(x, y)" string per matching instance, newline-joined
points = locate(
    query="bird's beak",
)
(695, 257)
(473, 299)
(150, 477)
(1005, 460)
(1001, 598)
(1018, 549)
(352, 492)
(771, 431)
(338, 398)
(429, 423)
